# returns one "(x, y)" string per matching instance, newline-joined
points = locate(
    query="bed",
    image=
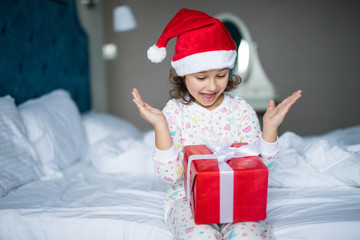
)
(69, 172)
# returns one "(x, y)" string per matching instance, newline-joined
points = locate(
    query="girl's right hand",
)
(150, 114)
(163, 140)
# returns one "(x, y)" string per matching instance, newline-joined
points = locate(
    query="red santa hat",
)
(203, 43)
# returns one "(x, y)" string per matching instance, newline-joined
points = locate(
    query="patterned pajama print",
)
(233, 121)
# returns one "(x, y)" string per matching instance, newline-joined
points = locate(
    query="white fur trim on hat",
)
(156, 54)
(204, 61)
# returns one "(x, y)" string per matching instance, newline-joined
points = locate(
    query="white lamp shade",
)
(124, 20)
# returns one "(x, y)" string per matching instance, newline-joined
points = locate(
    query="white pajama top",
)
(234, 120)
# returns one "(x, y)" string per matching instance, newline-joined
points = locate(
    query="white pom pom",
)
(156, 54)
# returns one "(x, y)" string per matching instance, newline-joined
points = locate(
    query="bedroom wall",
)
(308, 45)
(91, 20)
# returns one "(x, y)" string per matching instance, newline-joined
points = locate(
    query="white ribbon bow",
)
(223, 151)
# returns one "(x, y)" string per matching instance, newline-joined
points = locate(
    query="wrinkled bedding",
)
(113, 194)
(328, 160)
(97, 206)
(88, 203)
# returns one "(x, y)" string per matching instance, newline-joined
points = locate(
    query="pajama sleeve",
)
(250, 132)
(167, 164)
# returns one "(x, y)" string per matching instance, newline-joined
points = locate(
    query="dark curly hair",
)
(179, 89)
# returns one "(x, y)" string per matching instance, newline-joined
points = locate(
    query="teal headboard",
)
(43, 47)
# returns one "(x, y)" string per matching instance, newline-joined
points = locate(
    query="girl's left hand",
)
(275, 115)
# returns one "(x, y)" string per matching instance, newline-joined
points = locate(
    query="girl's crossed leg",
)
(181, 223)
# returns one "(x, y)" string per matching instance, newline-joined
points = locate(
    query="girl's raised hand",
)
(275, 115)
(150, 114)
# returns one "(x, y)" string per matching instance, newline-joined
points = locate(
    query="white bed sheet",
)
(88, 205)
(315, 213)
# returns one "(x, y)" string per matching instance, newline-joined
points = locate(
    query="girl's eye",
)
(222, 76)
(200, 78)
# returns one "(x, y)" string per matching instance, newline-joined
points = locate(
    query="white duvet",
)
(328, 160)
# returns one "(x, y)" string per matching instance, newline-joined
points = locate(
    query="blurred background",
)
(308, 45)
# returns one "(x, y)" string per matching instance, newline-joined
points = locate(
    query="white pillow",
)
(18, 163)
(54, 127)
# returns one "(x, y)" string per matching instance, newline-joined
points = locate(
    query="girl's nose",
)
(211, 86)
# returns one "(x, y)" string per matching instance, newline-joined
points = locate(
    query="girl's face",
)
(207, 87)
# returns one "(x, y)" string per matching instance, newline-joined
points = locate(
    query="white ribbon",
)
(223, 152)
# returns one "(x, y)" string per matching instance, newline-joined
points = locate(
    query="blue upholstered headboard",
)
(43, 47)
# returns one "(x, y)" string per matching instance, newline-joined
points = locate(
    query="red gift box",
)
(212, 199)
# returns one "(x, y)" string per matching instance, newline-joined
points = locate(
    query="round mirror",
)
(256, 88)
(241, 36)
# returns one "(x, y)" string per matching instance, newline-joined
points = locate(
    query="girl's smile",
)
(209, 97)
(207, 87)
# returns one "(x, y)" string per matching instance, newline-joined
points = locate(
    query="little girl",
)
(204, 55)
